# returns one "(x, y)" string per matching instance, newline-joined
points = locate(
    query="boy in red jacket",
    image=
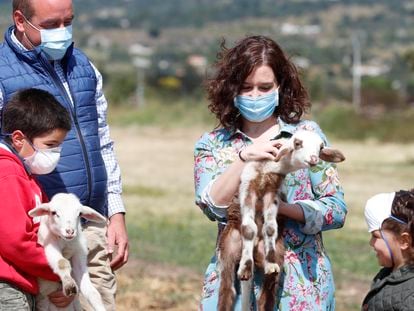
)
(34, 125)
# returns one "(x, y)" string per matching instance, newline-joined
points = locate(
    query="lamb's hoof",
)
(69, 287)
(245, 271)
(271, 267)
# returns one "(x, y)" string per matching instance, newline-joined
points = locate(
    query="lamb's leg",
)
(270, 233)
(61, 266)
(229, 256)
(81, 275)
(249, 234)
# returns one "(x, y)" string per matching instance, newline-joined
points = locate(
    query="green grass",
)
(164, 113)
(187, 240)
(342, 122)
(181, 240)
(337, 121)
(350, 253)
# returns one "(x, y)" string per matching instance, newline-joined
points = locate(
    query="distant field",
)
(171, 241)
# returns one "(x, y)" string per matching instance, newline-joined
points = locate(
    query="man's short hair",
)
(25, 6)
(35, 112)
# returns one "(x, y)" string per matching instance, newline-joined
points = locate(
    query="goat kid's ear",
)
(42, 209)
(331, 155)
(91, 215)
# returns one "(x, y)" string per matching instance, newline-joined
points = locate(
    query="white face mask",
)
(54, 42)
(43, 161)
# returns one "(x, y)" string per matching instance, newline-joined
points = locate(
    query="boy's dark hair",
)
(34, 112)
(403, 209)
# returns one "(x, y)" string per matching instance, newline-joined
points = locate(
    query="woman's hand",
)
(261, 150)
(60, 300)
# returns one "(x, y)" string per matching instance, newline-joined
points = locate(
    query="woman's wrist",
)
(292, 210)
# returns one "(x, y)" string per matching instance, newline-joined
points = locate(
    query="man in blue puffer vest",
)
(38, 52)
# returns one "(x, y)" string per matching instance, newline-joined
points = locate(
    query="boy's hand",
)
(60, 300)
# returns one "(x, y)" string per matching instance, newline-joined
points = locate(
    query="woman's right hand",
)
(261, 150)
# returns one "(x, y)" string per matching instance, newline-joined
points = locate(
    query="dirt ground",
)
(151, 286)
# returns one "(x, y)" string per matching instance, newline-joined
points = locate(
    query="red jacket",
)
(22, 259)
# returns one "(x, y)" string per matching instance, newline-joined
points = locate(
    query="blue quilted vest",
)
(81, 169)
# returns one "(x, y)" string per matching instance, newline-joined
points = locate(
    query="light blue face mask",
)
(257, 109)
(54, 42)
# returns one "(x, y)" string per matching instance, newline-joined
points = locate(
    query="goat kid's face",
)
(307, 149)
(65, 224)
(64, 212)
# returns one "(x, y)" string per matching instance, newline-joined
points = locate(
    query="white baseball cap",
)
(377, 209)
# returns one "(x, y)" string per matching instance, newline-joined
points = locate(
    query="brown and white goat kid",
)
(252, 225)
(66, 250)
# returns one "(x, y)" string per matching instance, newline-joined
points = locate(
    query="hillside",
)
(316, 33)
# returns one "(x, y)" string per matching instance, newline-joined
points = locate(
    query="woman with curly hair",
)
(256, 96)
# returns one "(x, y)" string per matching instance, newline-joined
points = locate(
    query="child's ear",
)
(17, 138)
(405, 241)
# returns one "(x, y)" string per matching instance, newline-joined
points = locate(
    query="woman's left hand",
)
(60, 300)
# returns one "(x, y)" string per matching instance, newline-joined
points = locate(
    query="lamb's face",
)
(306, 147)
(64, 216)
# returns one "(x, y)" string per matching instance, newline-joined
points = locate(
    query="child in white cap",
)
(389, 217)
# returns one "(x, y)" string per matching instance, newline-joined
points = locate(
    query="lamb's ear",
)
(92, 215)
(331, 155)
(42, 209)
(283, 152)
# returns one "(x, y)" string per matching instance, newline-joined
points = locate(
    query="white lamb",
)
(66, 249)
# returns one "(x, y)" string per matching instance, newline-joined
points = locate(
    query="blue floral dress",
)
(307, 280)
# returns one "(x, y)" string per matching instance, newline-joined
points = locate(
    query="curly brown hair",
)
(235, 64)
(402, 209)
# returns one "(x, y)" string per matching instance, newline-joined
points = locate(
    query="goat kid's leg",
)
(81, 275)
(270, 233)
(249, 234)
(267, 297)
(268, 294)
(229, 256)
(61, 266)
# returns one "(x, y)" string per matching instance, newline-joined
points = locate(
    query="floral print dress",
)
(307, 281)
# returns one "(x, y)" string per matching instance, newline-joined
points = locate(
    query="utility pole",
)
(356, 72)
(140, 59)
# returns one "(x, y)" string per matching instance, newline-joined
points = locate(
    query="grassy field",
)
(171, 241)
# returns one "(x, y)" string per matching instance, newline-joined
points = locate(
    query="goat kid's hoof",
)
(271, 267)
(246, 271)
(69, 288)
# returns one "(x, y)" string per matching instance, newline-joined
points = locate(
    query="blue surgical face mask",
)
(257, 109)
(54, 42)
